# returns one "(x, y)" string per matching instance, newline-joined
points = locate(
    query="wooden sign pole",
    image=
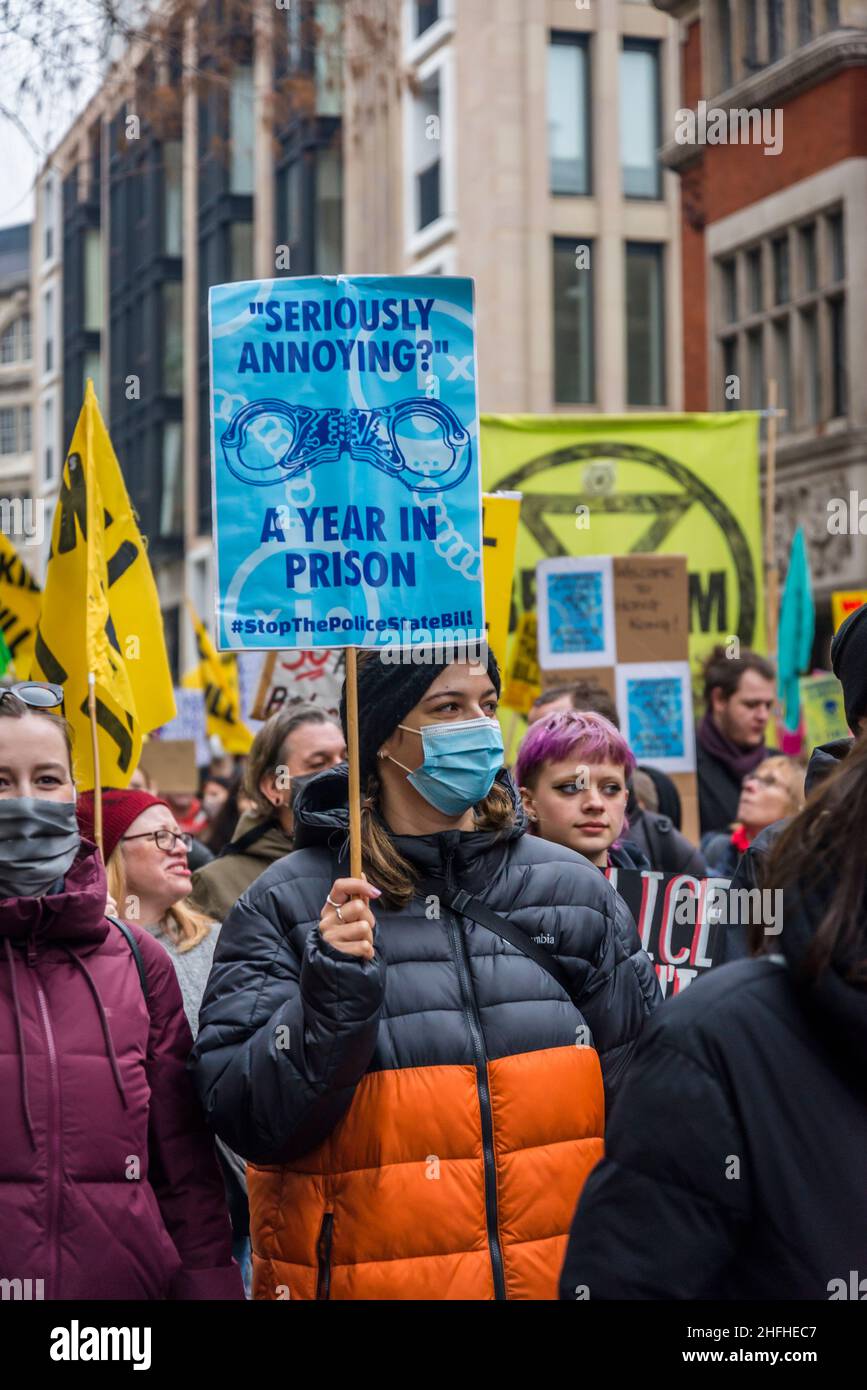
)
(352, 758)
(97, 780)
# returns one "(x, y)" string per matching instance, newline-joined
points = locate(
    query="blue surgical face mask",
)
(461, 760)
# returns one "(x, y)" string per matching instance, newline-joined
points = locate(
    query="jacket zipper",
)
(470, 1008)
(54, 1138)
(323, 1252)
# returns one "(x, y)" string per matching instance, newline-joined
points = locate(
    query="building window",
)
(92, 368)
(173, 337)
(241, 250)
(730, 372)
(427, 160)
(780, 256)
(645, 325)
(328, 64)
(776, 25)
(173, 201)
(171, 496)
(48, 439)
(838, 254)
(751, 36)
(292, 196)
(241, 130)
(92, 281)
(49, 214)
(574, 374)
(729, 290)
(48, 317)
(809, 267)
(427, 12)
(839, 381)
(9, 343)
(832, 20)
(639, 119)
(26, 430)
(811, 402)
(328, 194)
(800, 337)
(783, 370)
(805, 21)
(26, 337)
(755, 280)
(724, 33)
(568, 114)
(8, 432)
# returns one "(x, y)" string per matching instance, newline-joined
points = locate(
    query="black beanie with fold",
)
(387, 691)
(849, 664)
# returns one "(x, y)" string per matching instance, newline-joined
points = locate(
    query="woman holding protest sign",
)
(573, 770)
(108, 1183)
(413, 1061)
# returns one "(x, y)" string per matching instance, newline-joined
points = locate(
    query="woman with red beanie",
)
(149, 879)
(108, 1183)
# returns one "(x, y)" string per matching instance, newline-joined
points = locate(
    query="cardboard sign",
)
(189, 723)
(680, 919)
(344, 447)
(302, 677)
(844, 602)
(622, 622)
(500, 515)
(822, 709)
(522, 685)
(170, 763)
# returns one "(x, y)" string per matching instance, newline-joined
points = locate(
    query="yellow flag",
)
(76, 632)
(217, 675)
(500, 516)
(132, 592)
(20, 602)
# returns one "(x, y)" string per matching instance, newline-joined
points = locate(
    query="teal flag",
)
(796, 630)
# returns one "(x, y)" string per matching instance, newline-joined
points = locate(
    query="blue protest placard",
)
(575, 596)
(189, 722)
(347, 491)
(654, 700)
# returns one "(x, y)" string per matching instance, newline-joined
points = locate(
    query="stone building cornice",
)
(816, 62)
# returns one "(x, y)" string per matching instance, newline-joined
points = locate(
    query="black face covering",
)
(38, 843)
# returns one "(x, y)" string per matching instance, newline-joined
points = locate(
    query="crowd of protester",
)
(439, 1079)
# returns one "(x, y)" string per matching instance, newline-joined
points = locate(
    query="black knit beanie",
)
(849, 664)
(387, 691)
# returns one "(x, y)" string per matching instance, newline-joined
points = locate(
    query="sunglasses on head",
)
(35, 694)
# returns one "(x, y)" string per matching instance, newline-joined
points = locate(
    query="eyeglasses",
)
(35, 694)
(165, 839)
(762, 781)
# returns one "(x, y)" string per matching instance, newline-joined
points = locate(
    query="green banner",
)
(617, 485)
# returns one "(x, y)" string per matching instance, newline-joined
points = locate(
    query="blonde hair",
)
(185, 924)
(793, 776)
(388, 869)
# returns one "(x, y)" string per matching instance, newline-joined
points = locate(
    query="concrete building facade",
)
(516, 141)
(775, 248)
(16, 379)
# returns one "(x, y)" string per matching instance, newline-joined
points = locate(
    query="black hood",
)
(322, 818)
(824, 760)
(837, 1008)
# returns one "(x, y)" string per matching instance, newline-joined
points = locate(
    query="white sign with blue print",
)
(347, 487)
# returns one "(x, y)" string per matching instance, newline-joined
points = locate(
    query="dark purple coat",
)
(109, 1187)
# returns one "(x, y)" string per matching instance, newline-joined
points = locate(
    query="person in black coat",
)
(419, 1097)
(735, 1167)
(730, 739)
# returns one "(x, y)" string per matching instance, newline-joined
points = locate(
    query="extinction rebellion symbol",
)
(663, 511)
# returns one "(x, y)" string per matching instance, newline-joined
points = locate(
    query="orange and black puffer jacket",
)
(420, 1125)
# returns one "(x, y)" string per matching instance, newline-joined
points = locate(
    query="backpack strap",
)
(466, 906)
(136, 953)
